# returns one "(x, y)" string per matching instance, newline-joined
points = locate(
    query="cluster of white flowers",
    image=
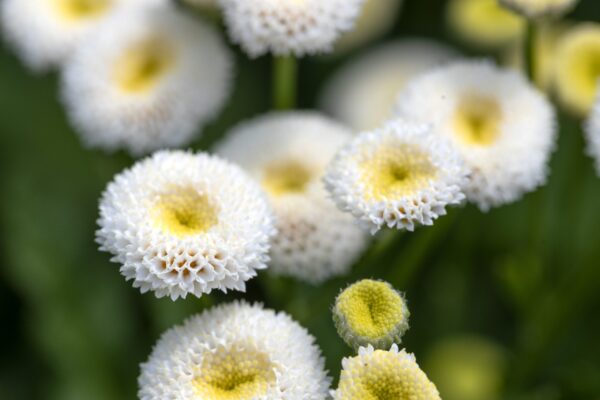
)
(235, 351)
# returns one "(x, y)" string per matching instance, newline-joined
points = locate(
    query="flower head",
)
(577, 67)
(539, 8)
(362, 93)
(235, 351)
(400, 175)
(378, 374)
(182, 223)
(44, 32)
(315, 240)
(288, 27)
(503, 127)
(370, 313)
(484, 23)
(147, 79)
(592, 129)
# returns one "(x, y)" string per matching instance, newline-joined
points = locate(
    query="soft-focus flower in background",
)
(592, 129)
(287, 153)
(376, 18)
(484, 23)
(147, 79)
(182, 223)
(370, 312)
(235, 351)
(539, 8)
(379, 374)
(288, 27)
(399, 176)
(44, 32)
(362, 93)
(577, 67)
(504, 128)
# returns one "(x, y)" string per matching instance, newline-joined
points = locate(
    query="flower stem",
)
(529, 50)
(285, 73)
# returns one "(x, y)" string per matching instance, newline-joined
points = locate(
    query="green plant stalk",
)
(529, 49)
(285, 75)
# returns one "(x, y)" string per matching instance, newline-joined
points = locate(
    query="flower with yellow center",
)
(362, 93)
(399, 176)
(45, 32)
(539, 8)
(592, 129)
(503, 127)
(383, 375)
(235, 351)
(577, 67)
(180, 224)
(148, 79)
(370, 313)
(315, 240)
(484, 23)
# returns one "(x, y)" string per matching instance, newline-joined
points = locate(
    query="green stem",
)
(529, 50)
(285, 75)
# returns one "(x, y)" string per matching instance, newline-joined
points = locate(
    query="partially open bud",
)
(371, 313)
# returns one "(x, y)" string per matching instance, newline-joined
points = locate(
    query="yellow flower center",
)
(395, 171)
(585, 70)
(477, 120)
(235, 373)
(372, 309)
(74, 10)
(286, 177)
(184, 212)
(143, 65)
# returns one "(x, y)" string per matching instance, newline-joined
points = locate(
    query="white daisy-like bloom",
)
(182, 223)
(362, 94)
(147, 79)
(315, 240)
(593, 133)
(288, 27)
(503, 127)
(539, 8)
(376, 18)
(44, 32)
(235, 351)
(398, 176)
(379, 374)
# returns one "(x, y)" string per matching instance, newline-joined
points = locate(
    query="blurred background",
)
(505, 305)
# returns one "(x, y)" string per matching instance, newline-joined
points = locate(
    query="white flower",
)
(235, 351)
(288, 27)
(503, 127)
(399, 176)
(378, 374)
(362, 94)
(539, 8)
(182, 223)
(146, 80)
(593, 134)
(44, 32)
(287, 153)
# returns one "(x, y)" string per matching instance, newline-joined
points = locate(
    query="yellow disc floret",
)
(477, 120)
(577, 68)
(76, 10)
(184, 211)
(239, 372)
(143, 65)
(371, 312)
(286, 177)
(384, 375)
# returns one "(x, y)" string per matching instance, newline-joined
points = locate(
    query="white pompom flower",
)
(288, 27)
(182, 223)
(147, 79)
(539, 8)
(593, 133)
(315, 240)
(379, 374)
(399, 176)
(503, 127)
(235, 351)
(44, 32)
(362, 94)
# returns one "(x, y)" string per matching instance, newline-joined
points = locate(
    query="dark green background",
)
(526, 276)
